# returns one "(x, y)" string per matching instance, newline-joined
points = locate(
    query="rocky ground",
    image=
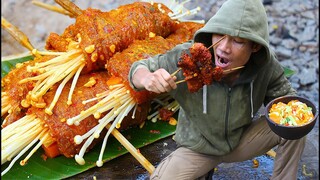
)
(294, 35)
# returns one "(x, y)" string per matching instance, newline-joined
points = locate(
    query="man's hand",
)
(159, 81)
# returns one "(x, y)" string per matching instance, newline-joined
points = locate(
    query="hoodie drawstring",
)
(204, 99)
(251, 98)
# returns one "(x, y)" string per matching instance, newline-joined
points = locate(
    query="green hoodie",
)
(212, 120)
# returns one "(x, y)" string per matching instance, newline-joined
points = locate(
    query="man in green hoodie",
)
(216, 124)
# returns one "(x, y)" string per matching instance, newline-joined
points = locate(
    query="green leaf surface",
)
(62, 167)
(288, 72)
(8, 65)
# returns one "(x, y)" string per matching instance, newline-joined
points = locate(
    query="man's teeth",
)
(221, 60)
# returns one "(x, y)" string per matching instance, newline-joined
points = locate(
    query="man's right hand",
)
(159, 81)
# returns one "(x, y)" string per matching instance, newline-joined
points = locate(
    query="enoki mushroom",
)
(18, 137)
(63, 67)
(118, 103)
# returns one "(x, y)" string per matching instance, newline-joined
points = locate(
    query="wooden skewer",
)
(142, 160)
(224, 72)
(70, 6)
(52, 8)
(174, 73)
(232, 69)
(181, 81)
(217, 42)
(16, 34)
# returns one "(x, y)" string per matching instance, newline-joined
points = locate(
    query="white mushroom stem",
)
(4, 97)
(17, 138)
(48, 110)
(79, 157)
(173, 106)
(47, 53)
(53, 71)
(115, 86)
(73, 85)
(134, 111)
(105, 139)
(98, 96)
(95, 132)
(62, 71)
(178, 7)
(3, 94)
(9, 130)
(102, 106)
(5, 108)
(43, 136)
(5, 103)
(153, 115)
(188, 12)
(18, 141)
(179, 11)
(117, 103)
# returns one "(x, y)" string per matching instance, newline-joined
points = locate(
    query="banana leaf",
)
(288, 72)
(62, 167)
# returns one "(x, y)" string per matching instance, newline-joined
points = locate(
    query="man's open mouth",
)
(222, 62)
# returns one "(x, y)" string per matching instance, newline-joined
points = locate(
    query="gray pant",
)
(186, 164)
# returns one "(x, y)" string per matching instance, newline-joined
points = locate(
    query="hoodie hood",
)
(240, 18)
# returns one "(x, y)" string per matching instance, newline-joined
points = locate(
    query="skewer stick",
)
(142, 160)
(174, 73)
(70, 6)
(181, 81)
(17, 34)
(224, 72)
(232, 69)
(217, 42)
(52, 8)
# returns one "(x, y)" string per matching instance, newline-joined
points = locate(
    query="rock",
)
(309, 33)
(283, 52)
(308, 76)
(289, 43)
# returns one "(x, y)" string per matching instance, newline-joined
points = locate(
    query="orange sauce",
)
(294, 113)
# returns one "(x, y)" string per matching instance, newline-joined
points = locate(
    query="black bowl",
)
(291, 132)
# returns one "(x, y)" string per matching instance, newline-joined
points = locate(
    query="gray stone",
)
(289, 43)
(309, 33)
(308, 76)
(283, 52)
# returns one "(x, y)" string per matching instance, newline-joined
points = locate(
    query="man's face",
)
(232, 52)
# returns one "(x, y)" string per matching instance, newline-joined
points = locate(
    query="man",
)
(225, 131)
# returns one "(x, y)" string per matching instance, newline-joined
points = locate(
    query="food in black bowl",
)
(291, 117)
